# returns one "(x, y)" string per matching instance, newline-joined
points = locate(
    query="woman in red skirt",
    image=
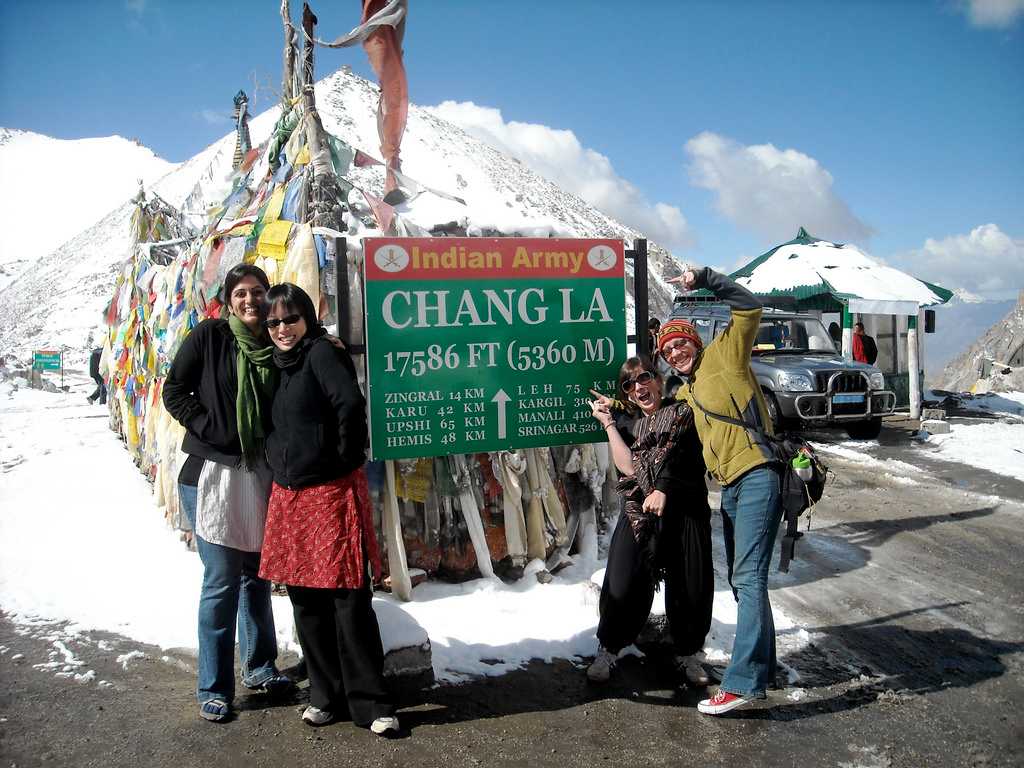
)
(319, 539)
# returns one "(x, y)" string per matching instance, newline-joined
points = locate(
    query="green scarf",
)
(257, 381)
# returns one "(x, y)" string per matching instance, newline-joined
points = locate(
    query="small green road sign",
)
(46, 360)
(486, 344)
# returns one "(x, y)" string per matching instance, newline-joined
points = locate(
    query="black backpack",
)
(798, 495)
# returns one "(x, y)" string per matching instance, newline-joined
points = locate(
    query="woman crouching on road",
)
(320, 540)
(664, 530)
(220, 388)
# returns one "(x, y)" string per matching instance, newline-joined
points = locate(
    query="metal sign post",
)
(485, 344)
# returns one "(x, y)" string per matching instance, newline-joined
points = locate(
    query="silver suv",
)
(803, 376)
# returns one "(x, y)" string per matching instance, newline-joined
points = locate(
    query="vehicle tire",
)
(865, 430)
(779, 423)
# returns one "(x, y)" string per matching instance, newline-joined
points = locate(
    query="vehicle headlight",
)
(876, 380)
(795, 382)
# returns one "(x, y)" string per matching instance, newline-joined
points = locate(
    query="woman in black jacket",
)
(664, 529)
(320, 538)
(220, 387)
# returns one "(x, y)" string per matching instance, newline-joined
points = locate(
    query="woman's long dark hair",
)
(293, 299)
(234, 277)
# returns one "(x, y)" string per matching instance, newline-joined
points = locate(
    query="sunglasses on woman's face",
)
(640, 378)
(273, 322)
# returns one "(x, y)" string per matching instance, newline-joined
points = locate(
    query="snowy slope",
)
(110, 527)
(40, 176)
(501, 194)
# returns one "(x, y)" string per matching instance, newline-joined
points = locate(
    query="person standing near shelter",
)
(320, 540)
(864, 348)
(94, 373)
(664, 529)
(220, 388)
(653, 325)
(718, 380)
(836, 334)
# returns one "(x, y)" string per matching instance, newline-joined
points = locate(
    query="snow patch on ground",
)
(78, 506)
(124, 658)
(854, 450)
(996, 447)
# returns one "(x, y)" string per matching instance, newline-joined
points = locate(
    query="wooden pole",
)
(288, 74)
(325, 194)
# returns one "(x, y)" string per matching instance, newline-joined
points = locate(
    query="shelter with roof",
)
(808, 273)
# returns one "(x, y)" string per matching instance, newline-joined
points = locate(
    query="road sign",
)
(484, 344)
(46, 360)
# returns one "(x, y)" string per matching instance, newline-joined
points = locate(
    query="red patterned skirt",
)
(321, 536)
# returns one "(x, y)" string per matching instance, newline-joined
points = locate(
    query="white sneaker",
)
(382, 726)
(601, 668)
(693, 669)
(315, 716)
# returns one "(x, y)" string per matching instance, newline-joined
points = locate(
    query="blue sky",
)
(895, 125)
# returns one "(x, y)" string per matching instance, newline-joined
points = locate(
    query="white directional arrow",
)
(501, 397)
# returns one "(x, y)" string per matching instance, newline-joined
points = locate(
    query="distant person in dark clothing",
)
(864, 349)
(836, 333)
(94, 373)
(653, 326)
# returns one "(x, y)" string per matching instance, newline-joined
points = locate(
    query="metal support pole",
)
(342, 289)
(640, 294)
(342, 300)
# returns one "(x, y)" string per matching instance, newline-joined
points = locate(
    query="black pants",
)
(340, 640)
(683, 549)
(101, 390)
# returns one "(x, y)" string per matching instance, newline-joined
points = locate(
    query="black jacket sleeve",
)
(336, 375)
(182, 385)
(726, 289)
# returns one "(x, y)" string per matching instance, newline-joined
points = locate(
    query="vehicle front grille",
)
(846, 381)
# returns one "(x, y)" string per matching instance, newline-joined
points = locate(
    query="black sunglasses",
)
(273, 322)
(640, 378)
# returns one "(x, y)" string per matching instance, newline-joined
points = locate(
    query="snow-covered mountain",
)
(50, 189)
(958, 324)
(60, 299)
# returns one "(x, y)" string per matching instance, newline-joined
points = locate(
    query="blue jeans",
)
(751, 511)
(232, 593)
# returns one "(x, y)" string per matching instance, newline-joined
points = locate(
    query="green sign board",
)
(46, 360)
(486, 344)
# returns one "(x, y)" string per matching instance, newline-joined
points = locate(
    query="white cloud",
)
(214, 116)
(138, 7)
(987, 262)
(771, 192)
(558, 156)
(993, 13)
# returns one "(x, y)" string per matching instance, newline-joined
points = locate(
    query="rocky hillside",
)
(1001, 343)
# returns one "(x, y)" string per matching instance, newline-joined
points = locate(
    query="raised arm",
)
(737, 340)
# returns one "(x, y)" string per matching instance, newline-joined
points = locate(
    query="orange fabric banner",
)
(384, 49)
